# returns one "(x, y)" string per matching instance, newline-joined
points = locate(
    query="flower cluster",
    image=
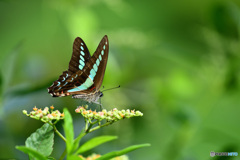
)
(113, 115)
(45, 115)
(95, 156)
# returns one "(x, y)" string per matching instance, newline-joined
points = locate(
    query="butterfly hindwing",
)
(58, 85)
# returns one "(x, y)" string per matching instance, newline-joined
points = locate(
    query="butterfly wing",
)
(80, 56)
(99, 61)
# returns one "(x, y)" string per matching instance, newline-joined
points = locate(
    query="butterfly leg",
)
(100, 105)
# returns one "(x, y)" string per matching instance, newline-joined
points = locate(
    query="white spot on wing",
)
(81, 57)
(82, 53)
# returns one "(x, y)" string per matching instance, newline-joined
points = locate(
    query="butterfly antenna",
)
(111, 88)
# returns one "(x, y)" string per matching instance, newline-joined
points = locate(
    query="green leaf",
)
(68, 130)
(32, 153)
(121, 152)
(42, 140)
(94, 142)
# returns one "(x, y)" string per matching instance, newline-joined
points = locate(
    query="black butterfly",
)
(84, 76)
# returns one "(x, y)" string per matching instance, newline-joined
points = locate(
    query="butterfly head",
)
(101, 94)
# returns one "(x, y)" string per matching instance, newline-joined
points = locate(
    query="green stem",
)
(79, 137)
(55, 122)
(58, 133)
(97, 127)
(86, 124)
(96, 122)
(63, 154)
(90, 126)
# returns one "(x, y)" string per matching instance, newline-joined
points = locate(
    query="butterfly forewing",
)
(100, 58)
(80, 56)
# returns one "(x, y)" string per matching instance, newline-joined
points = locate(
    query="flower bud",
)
(77, 110)
(33, 113)
(35, 108)
(118, 116)
(115, 114)
(86, 107)
(121, 115)
(81, 109)
(109, 113)
(45, 119)
(123, 112)
(104, 111)
(54, 114)
(138, 113)
(109, 118)
(46, 109)
(90, 115)
(24, 112)
(127, 114)
(50, 116)
(84, 113)
(39, 116)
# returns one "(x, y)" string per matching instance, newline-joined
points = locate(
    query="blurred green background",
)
(177, 61)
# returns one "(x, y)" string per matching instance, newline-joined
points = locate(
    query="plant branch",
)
(63, 154)
(58, 133)
(100, 126)
(86, 124)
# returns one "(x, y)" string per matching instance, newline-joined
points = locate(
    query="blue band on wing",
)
(88, 83)
(80, 67)
(97, 62)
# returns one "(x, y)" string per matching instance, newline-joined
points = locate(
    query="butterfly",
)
(85, 73)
